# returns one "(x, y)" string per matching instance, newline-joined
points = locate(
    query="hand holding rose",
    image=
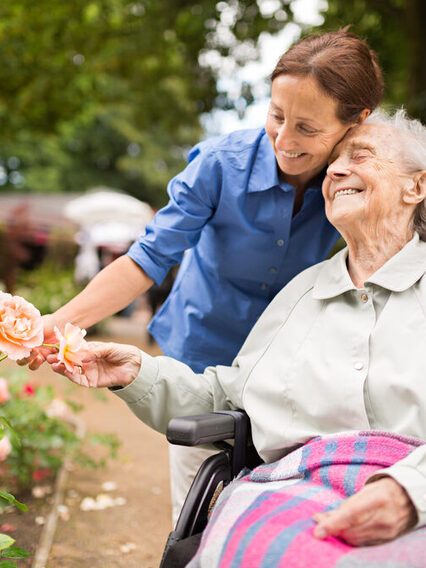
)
(100, 365)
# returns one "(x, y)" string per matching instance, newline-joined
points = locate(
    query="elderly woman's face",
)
(302, 125)
(366, 179)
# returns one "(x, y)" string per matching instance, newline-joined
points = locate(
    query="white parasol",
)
(104, 206)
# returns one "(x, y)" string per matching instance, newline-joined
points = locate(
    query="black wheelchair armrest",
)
(213, 428)
(201, 429)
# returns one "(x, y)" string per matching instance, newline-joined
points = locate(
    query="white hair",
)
(412, 138)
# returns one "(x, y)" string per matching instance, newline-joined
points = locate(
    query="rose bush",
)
(44, 424)
(40, 438)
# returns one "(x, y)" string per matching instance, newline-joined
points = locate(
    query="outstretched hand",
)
(102, 365)
(378, 513)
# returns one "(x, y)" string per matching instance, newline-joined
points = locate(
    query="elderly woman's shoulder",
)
(300, 285)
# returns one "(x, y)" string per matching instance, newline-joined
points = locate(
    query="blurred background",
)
(109, 95)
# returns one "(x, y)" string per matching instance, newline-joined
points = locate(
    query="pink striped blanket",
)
(264, 519)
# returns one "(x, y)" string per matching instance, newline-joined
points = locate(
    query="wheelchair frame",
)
(214, 428)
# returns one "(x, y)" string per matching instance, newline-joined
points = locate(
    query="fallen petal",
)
(109, 486)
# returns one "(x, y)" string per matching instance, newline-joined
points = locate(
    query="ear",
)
(364, 114)
(417, 190)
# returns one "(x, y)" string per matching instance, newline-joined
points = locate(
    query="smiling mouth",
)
(346, 192)
(292, 154)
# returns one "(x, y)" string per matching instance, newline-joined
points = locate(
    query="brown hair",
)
(344, 67)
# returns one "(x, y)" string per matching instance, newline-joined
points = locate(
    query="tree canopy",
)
(109, 92)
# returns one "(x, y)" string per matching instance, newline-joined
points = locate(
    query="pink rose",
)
(4, 390)
(72, 346)
(21, 326)
(28, 390)
(5, 448)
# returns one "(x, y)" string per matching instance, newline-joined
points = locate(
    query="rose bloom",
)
(72, 346)
(21, 326)
(4, 390)
(57, 408)
(28, 390)
(5, 448)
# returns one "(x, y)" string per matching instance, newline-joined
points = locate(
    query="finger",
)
(23, 362)
(36, 362)
(337, 521)
(318, 517)
(59, 368)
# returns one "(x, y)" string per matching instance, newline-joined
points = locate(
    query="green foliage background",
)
(395, 29)
(110, 92)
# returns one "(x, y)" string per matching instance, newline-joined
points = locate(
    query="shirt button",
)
(364, 297)
(358, 366)
(263, 286)
(273, 270)
(280, 242)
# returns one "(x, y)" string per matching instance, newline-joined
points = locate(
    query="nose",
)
(338, 168)
(284, 136)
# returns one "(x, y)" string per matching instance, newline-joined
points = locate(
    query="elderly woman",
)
(339, 355)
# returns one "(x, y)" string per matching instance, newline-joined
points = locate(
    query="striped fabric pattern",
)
(264, 519)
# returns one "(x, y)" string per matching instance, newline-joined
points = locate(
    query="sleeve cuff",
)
(154, 271)
(414, 483)
(142, 385)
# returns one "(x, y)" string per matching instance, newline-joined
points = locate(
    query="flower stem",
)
(56, 346)
(2, 357)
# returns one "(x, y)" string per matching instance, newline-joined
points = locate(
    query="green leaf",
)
(5, 541)
(15, 552)
(11, 499)
(8, 564)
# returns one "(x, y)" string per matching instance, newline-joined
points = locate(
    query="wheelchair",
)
(217, 428)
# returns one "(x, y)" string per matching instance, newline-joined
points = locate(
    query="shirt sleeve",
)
(194, 194)
(166, 388)
(410, 472)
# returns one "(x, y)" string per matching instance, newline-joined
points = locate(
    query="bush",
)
(47, 288)
(45, 436)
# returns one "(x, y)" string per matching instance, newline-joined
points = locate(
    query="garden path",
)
(131, 535)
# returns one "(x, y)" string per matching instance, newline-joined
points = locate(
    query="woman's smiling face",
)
(367, 186)
(302, 126)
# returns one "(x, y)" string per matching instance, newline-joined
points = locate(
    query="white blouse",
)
(324, 357)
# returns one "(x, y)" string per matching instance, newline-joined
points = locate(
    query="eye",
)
(307, 130)
(276, 116)
(360, 155)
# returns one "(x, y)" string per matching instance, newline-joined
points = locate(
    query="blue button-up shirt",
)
(232, 215)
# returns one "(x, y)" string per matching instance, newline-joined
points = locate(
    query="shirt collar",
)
(264, 173)
(398, 274)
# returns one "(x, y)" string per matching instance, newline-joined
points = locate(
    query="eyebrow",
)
(304, 118)
(357, 144)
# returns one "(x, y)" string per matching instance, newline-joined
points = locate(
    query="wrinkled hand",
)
(103, 365)
(39, 354)
(380, 512)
